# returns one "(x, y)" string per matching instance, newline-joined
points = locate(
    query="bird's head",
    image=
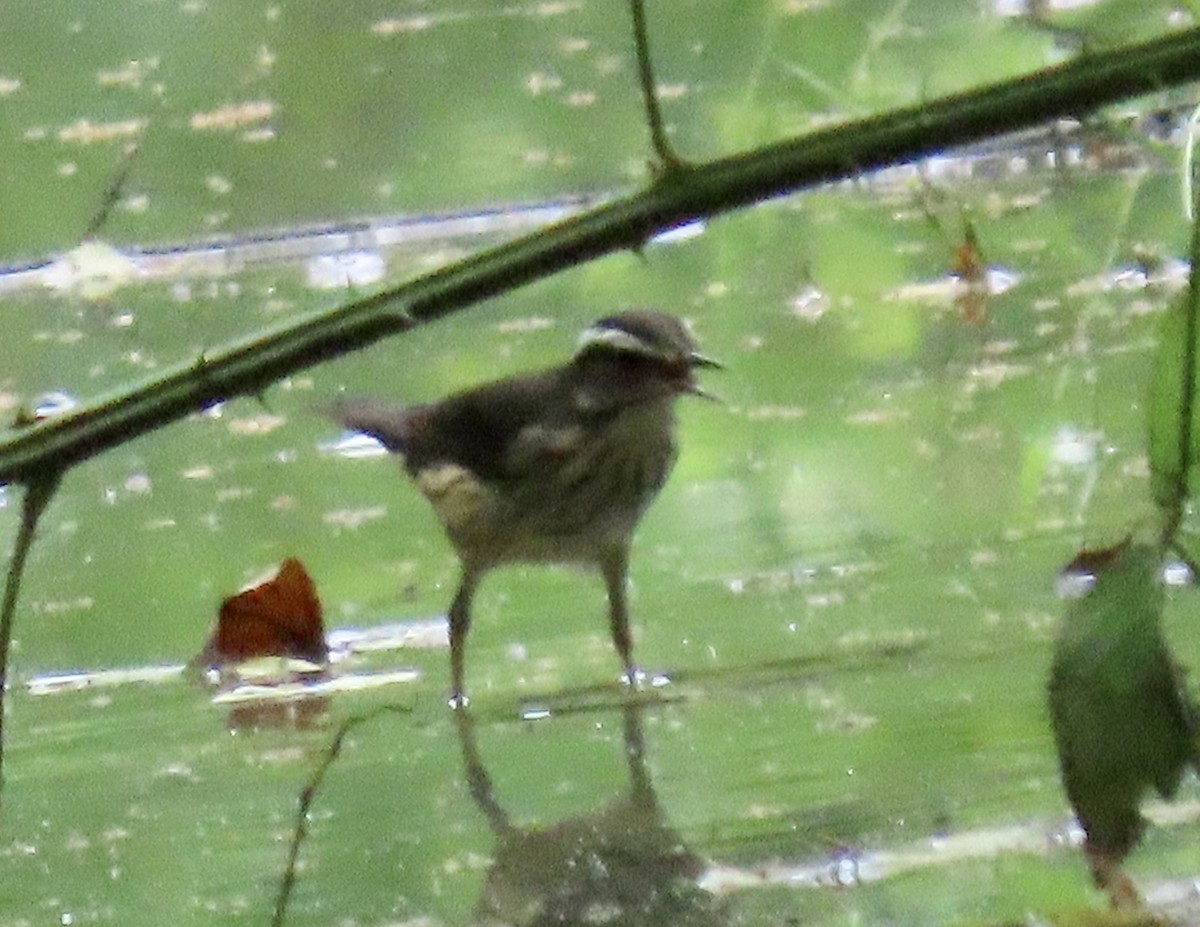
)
(639, 355)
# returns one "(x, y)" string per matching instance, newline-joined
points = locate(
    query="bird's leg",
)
(614, 565)
(460, 624)
(1112, 879)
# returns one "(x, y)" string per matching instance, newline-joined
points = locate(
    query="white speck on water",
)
(1074, 448)
(517, 651)
(138, 483)
(1177, 573)
(339, 271)
(810, 303)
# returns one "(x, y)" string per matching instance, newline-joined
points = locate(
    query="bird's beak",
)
(696, 360)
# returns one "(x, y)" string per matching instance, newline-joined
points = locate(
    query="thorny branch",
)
(249, 367)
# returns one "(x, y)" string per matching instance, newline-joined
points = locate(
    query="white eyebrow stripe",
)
(616, 338)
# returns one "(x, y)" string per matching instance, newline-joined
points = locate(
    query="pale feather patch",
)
(455, 492)
(534, 443)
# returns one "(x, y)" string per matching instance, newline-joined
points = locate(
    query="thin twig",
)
(112, 193)
(307, 795)
(37, 494)
(668, 161)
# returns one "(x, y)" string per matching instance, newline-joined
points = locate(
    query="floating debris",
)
(278, 617)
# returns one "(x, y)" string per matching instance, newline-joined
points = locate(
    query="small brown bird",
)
(549, 467)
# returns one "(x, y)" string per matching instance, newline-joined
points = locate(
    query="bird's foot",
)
(1122, 893)
(1112, 879)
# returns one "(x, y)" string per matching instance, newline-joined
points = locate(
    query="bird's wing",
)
(499, 431)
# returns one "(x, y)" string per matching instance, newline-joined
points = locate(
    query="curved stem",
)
(1187, 385)
(37, 494)
(668, 161)
(307, 795)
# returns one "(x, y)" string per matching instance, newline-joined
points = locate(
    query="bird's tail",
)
(386, 422)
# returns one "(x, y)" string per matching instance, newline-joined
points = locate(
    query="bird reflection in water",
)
(621, 865)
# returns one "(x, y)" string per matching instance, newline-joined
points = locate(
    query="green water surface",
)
(849, 579)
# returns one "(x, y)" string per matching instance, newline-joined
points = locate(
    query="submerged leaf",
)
(1121, 717)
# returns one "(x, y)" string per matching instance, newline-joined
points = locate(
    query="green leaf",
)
(1122, 720)
(1174, 443)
